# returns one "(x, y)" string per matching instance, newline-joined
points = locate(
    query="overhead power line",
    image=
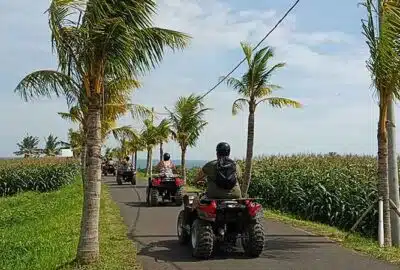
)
(244, 59)
(259, 43)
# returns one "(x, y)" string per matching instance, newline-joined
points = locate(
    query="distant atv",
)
(221, 222)
(167, 186)
(126, 174)
(108, 168)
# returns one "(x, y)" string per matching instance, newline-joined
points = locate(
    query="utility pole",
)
(393, 176)
(393, 173)
(151, 151)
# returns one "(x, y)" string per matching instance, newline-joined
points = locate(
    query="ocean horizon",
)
(141, 163)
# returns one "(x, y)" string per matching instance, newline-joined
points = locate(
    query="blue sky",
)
(321, 42)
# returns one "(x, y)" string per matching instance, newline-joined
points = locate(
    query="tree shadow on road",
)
(144, 204)
(275, 248)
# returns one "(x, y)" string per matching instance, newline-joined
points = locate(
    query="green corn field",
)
(330, 189)
(36, 174)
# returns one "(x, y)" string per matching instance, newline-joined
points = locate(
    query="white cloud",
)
(313, 77)
(333, 84)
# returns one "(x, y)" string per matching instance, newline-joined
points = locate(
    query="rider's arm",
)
(200, 176)
(158, 166)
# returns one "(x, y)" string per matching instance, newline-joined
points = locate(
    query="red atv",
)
(221, 221)
(166, 187)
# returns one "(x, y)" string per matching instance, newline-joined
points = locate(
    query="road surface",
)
(154, 231)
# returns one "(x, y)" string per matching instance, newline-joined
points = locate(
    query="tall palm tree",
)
(136, 144)
(150, 138)
(384, 65)
(52, 146)
(186, 124)
(163, 135)
(105, 39)
(28, 147)
(255, 88)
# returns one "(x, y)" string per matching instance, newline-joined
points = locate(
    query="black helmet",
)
(127, 158)
(223, 149)
(166, 156)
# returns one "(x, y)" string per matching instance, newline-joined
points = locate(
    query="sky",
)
(320, 42)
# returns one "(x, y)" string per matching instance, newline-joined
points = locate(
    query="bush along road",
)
(154, 231)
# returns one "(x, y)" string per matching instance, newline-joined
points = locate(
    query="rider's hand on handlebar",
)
(201, 182)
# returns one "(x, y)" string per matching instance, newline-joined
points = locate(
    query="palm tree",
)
(187, 122)
(163, 134)
(109, 153)
(136, 144)
(53, 146)
(105, 39)
(150, 138)
(384, 66)
(28, 147)
(255, 88)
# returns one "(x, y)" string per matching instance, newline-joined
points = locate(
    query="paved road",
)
(154, 231)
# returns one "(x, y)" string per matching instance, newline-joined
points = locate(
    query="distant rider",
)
(166, 166)
(125, 163)
(221, 176)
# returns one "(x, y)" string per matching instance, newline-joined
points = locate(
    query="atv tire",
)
(153, 197)
(179, 196)
(202, 239)
(105, 174)
(183, 236)
(119, 180)
(133, 181)
(254, 245)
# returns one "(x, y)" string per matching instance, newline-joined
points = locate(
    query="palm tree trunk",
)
(183, 164)
(147, 163)
(88, 249)
(83, 164)
(161, 151)
(135, 160)
(383, 186)
(249, 152)
(150, 162)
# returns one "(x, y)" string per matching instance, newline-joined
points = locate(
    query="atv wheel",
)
(179, 196)
(153, 197)
(253, 245)
(183, 236)
(119, 181)
(105, 174)
(133, 181)
(202, 238)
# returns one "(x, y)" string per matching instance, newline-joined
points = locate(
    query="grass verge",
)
(192, 189)
(354, 241)
(41, 231)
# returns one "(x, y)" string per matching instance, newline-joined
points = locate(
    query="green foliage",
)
(40, 231)
(53, 146)
(254, 86)
(330, 189)
(36, 174)
(28, 147)
(187, 120)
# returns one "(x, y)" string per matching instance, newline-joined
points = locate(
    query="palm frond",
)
(238, 105)
(278, 102)
(47, 83)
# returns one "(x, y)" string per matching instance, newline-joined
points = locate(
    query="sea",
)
(141, 163)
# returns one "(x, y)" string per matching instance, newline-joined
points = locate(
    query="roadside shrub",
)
(36, 174)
